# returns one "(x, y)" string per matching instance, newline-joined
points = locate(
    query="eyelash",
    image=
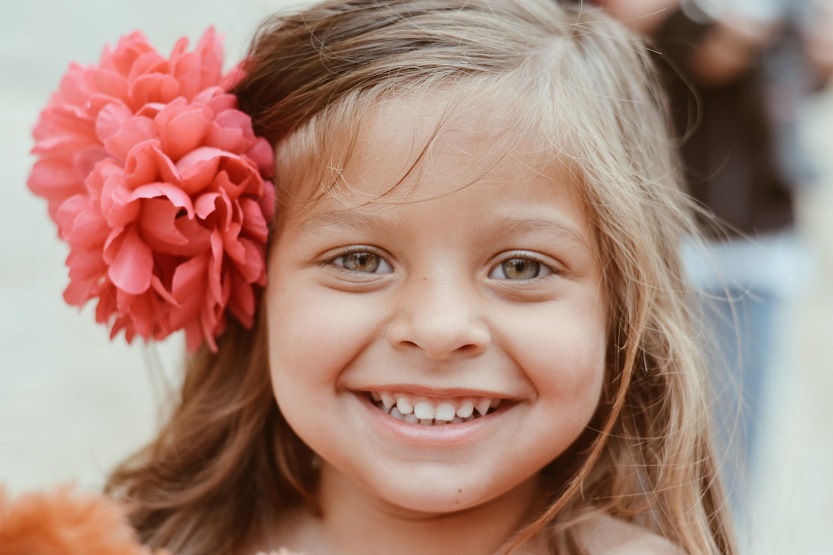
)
(357, 249)
(545, 269)
(543, 266)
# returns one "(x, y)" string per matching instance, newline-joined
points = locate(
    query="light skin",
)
(475, 278)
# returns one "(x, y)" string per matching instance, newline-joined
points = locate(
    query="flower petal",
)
(79, 291)
(264, 156)
(110, 83)
(254, 222)
(89, 230)
(116, 205)
(182, 129)
(188, 288)
(110, 120)
(85, 265)
(205, 205)
(231, 130)
(215, 276)
(132, 267)
(154, 87)
(198, 168)
(159, 288)
(132, 132)
(158, 226)
(242, 302)
(210, 50)
(253, 269)
(173, 194)
(147, 164)
(56, 180)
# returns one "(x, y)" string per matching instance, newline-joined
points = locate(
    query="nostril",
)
(439, 336)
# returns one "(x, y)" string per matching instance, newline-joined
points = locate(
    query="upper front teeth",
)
(388, 400)
(465, 409)
(404, 405)
(445, 411)
(401, 406)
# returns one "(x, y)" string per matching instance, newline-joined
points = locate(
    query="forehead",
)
(420, 146)
(424, 161)
(436, 139)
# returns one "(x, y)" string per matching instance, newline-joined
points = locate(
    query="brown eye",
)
(363, 262)
(519, 269)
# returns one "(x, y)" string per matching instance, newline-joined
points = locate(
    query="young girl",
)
(473, 336)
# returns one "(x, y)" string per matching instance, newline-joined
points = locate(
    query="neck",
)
(355, 522)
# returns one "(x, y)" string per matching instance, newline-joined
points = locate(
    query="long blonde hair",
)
(227, 466)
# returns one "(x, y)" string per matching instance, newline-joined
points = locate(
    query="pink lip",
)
(437, 393)
(442, 435)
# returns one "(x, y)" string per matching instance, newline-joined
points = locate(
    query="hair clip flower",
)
(161, 189)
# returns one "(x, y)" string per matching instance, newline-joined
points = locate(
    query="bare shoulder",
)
(605, 535)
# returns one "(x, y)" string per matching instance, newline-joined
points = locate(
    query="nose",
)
(441, 317)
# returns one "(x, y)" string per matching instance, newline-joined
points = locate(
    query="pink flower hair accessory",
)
(161, 189)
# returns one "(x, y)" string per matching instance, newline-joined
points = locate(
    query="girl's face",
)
(473, 286)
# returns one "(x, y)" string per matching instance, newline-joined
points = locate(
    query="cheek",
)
(313, 335)
(563, 353)
(313, 338)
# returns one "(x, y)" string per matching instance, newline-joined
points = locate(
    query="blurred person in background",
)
(738, 73)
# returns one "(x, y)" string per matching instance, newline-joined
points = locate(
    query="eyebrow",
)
(507, 225)
(356, 219)
(346, 219)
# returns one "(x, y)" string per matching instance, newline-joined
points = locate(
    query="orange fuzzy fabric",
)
(64, 522)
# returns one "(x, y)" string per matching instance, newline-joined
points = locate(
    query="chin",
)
(423, 493)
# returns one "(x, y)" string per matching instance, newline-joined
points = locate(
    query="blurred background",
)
(72, 404)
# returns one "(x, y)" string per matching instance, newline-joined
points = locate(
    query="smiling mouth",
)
(433, 412)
